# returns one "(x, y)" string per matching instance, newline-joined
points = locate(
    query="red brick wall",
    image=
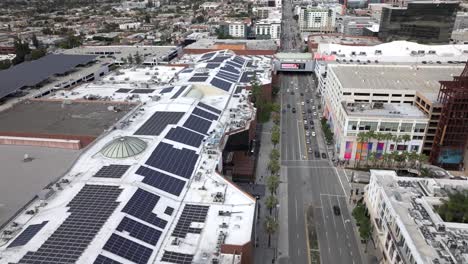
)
(84, 140)
(20, 141)
(244, 250)
(266, 91)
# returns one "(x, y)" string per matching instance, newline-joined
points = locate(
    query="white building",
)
(127, 26)
(316, 19)
(268, 28)
(237, 29)
(210, 6)
(406, 228)
(379, 98)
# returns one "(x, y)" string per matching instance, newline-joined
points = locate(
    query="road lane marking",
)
(339, 178)
(299, 140)
(307, 236)
(296, 209)
(334, 195)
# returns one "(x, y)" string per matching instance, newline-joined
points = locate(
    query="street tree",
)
(274, 167)
(271, 226)
(271, 202)
(273, 182)
(274, 154)
(138, 59)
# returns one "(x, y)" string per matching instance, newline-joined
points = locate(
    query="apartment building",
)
(268, 29)
(316, 19)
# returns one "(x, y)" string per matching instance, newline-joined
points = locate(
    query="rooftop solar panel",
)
(210, 108)
(247, 77)
(123, 90)
(177, 258)
(177, 161)
(202, 113)
(181, 89)
(158, 122)
(161, 181)
(212, 65)
(27, 235)
(234, 64)
(191, 214)
(139, 231)
(143, 91)
(198, 124)
(31, 73)
(198, 79)
(206, 56)
(169, 210)
(167, 90)
(141, 206)
(223, 85)
(219, 58)
(185, 136)
(227, 76)
(231, 69)
(89, 210)
(128, 249)
(112, 171)
(239, 59)
(105, 260)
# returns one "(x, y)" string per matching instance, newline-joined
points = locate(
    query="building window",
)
(364, 125)
(347, 93)
(406, 127)
(415, 148)
(418, 137)
(361, 94)
(379, 94)
(388, 126)
(396, 95)
(352, 125)
(409, 95)
(419, 128)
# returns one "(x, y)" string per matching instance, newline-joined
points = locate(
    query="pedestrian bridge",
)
(293, 62)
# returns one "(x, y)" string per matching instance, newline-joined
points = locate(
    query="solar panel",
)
(89, 210)
(231, 69)
(178, 161)
(158, 122)
(208, 107)
(141, 206)
(112, 171)
(27, 235)
(198, 79)
(226, 86)
(167, 90)
(228, 77)
(185, 136)
(206, 56)
(105, 260)
(139, 231)
(161, 181)
(219, 58)
(169, 210)
(212, 65)
(234, 64)
(128, 249)
(143, 91)
(239, 60)
(239, 89)
(247, 77)
(191, 214)
(198, 124)
(123, 90)
(181, 89)
(178, 258)
(202, 113)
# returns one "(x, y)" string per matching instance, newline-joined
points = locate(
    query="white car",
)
(315, 113)
(313, 133)
(302, 103)
(287, 90)
(305, 122)
(313, 107)
(308, 133)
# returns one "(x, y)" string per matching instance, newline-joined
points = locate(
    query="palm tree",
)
(387, 137)
(361, 138)
(270, 227)
(393, 157)
(403, 158)
(271, 202)
(412, 158)
(422, 158)
(379, 137)
(386, 157)
(396, 139)
(372, 157)
(405, 138)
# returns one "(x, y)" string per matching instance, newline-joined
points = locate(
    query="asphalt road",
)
(312, 180)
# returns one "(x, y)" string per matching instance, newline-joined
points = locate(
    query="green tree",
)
(273, 182)
(372, 158)
(274, 167)
(271, 202)
(406, 138)
(70, 42)
(5, 64)
(422, 158)
(38, 53)
(21, 50)
(365, 227)
(271, 226)
(455, 208)
(138, 59)
(35, 41)
(274, 154)
(130, 59)
(361, 139)
(387, 137)
(275, 135)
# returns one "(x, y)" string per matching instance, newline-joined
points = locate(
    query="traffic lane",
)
(352, 239)
(322, 236)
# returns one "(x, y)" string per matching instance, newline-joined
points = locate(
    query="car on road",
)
(287, 90)
(309, 110)
(292, 93)
(305, 121)
(309, 150)
(302, 94)
(324, 156)
(313, 133)
(289, 106)
(294, 110)
(306, 127)
(317, 154)
(303, 112)
(336, 210)
(307, 133)
(313, 107)
(308, 141)
(302, 103)
(315, 113)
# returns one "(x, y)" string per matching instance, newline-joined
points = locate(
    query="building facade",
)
(268, 29)
(316, 19)
(424, 22)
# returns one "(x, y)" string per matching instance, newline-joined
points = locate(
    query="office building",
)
(316, 19)
(268, 29)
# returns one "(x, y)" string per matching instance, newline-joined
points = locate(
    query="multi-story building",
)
(461, 21)
(425, 22)
(379, 98)
(406, 225)
(237, 29)
(268, 29)
(354, 26)
(316, 19)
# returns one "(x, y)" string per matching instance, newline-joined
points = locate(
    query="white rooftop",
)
(230, 216)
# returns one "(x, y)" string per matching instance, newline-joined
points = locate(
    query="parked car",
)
(315, 113)
(302, 94)
(336, 210)
(309, 150)
(306, 127)
(324, 156)
(294, 110)
(313, 133)
(317, 154)
(309, 110)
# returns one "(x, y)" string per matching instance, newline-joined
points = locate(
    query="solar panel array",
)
(239, 60)
(89, 209)
(143, 91)
(219, 58)
(209, 107)
(139, 231)
(181, 89)
(128, 249)
(169, 210)
(202, 113)
(206, 56)
(112, 171)
(141, 206)
(185, 136)
(223, 85)
(198, 124)
(123, 90)
(178, 258)
(212, 65)
(177, 161)
(161, 181)
(247, 77)
(227, 76)
(234, 64)
(191, 213)
(27, 234)
(198, 79)
(167, 90)
(231, 69)
(105, 260)
(158, 122)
